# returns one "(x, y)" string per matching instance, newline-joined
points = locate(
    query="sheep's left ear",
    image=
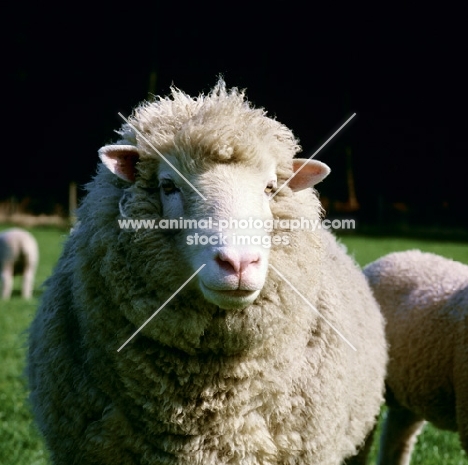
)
(121, 160)
(307, 173)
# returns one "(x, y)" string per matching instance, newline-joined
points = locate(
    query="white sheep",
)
(424, 298)
(19, 256)
(236, 367)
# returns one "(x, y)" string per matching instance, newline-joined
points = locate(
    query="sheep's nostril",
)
(226, 264)
(236, 261)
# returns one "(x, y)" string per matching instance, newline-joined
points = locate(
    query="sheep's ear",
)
(121, 160)
(307, 173)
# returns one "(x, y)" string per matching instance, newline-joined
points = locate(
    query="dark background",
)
(71, 68)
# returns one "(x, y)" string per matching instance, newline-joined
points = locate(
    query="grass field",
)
(20, 443)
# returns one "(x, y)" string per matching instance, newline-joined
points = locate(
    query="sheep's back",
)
(20, 247)
(424, 299)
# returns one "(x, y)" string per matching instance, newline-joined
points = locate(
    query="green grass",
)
(20, 442)
(367, 249)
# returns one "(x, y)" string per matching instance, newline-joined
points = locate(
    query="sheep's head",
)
(219, 162)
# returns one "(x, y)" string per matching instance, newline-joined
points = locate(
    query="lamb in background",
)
(237, 367)
(19, 256)
(424, 298)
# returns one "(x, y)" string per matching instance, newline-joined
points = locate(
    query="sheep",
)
(424, 299)
(249, 359)
(19, 255)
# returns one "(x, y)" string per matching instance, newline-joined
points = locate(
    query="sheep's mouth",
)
(230, 298)
(234, 292)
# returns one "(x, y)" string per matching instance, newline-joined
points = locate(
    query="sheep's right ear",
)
(121, 160)
(307, 173)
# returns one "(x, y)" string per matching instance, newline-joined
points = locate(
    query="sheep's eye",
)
(270, 187)
(168, 187)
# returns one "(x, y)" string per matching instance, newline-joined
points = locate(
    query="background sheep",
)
(237, 368)
(19, 255)
(424, 298)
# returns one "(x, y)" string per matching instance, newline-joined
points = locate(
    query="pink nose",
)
(236, 261)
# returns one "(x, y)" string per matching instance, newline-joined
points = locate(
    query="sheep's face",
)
(227, 239)
(223, 210)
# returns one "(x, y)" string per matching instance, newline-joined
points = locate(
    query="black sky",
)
(71, 69)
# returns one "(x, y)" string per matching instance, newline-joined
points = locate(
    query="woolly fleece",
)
(424, 298)
(19, 256)
(270, 384)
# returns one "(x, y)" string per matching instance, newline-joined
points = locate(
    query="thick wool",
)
(424, 298)
(19, 256)
(272, 383)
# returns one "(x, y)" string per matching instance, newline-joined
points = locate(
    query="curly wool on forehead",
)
(222, 126)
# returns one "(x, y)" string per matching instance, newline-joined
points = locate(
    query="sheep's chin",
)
(230, 299)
